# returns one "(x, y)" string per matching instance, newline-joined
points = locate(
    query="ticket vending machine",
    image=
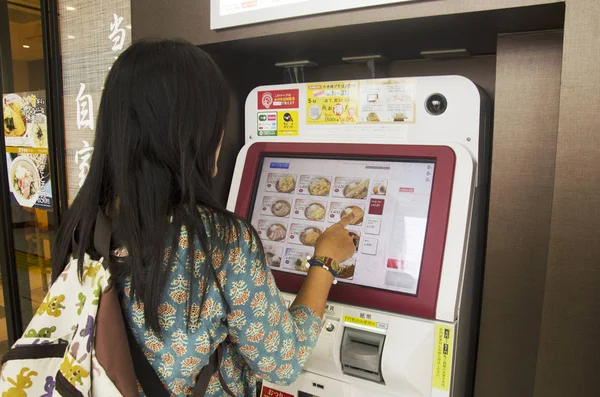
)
(409, 157)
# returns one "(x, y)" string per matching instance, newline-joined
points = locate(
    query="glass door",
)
(29, 192)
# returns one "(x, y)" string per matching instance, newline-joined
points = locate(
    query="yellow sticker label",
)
(287, 123)
(360, 321)
(442, 356)
(332, 103)
(26, 150)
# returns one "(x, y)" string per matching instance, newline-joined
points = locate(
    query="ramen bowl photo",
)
(14, 119)
(24, 181)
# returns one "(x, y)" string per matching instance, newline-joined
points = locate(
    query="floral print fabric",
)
(263, 338)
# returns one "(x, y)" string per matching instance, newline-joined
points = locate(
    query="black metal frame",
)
(54, 110)
(10, 285)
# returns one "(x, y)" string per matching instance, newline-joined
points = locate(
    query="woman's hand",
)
(335, 242)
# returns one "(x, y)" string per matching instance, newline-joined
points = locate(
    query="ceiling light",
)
(70, 37)
(25, 46)
(69, 8)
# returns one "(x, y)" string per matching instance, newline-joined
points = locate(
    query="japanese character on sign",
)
(82, 159)
(117, 33)
(85, 111)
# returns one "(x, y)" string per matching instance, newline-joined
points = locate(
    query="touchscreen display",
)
(298, 198)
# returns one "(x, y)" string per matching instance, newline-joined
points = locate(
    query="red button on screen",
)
(376, 206)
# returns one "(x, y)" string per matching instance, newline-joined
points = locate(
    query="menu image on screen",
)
(298, 198)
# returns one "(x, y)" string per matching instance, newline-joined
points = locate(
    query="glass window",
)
(26, 153)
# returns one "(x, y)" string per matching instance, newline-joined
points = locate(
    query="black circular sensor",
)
(436, 104)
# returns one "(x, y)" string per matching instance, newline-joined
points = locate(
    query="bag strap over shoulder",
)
(144, 372)
(214, 363)
(149, 379)
(102, 236)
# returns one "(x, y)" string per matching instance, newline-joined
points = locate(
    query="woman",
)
(192, 275)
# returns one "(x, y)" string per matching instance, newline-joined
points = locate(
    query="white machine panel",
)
(366, 352)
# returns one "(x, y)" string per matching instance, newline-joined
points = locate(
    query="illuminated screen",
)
(297, 198)
(227, 13)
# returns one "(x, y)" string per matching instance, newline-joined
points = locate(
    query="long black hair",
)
(160, 122)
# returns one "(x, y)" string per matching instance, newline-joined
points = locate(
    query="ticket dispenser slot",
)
(361, 354)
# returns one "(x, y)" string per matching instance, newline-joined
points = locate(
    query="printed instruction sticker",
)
(442, 357)
(266, 123)
(278, 99)
(387, 101)
(332, 103)
(287, 123)
(360, 321)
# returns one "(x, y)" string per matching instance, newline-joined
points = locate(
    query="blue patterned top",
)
(264, 339)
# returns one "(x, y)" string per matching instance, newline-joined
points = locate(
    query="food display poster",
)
(381, 101)
(26, 141)
(298, 199)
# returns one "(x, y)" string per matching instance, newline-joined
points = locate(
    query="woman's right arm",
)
(334, 243)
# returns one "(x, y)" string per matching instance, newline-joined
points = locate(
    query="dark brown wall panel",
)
(569, 347)
(525, 128)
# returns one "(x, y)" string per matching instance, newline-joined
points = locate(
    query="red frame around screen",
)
(423, 304)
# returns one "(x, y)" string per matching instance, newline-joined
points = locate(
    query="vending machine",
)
(410, 158)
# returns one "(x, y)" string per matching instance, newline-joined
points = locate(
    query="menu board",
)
(26, 143)
(298, 198)
(228, 13)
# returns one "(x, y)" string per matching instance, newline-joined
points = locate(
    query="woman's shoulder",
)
(228, 227)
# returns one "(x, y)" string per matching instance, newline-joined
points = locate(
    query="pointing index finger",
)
(346, 220)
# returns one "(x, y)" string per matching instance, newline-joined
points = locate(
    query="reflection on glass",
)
(26, 156)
